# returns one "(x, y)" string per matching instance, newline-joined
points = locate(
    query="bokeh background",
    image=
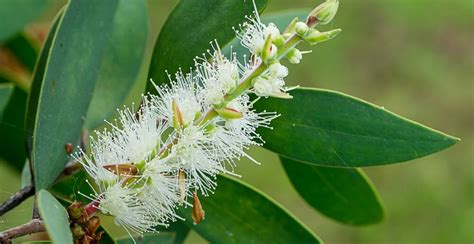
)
(415, 58)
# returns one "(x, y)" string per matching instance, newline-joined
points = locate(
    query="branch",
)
(16, 199)
(34, 226)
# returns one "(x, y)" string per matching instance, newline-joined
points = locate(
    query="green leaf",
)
(63, 84)
(26, 175)
(12, 124)
(55, 218)
(6, 91)
(188, 31)
(343, 194)
(121, 62)
(16, 14)
(238, 213)
(328, 128)
(162, 238)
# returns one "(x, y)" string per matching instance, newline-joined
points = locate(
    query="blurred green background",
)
(415, 58)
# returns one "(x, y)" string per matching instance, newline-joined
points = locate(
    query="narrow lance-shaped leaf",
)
(343, 194)
(238, 213)
(62, 91)
(122, 60)
(328, 128)
(55, 218)
(189, 30)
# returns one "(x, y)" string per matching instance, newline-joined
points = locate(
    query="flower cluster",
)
(194, 128)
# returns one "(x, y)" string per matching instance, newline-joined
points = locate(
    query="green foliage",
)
(93, 55)
(196, 21)
(56, 107)
(162, 238)
(343, 194)
(16, 14)
(121, 62)
(5, 93)
(239, 213)
(12, 122)
(55, 218)
(328, 128)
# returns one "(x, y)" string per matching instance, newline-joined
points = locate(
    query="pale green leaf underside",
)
(55, 218)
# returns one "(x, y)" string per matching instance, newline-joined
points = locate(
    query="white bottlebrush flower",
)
(219, 76)
(232, 137)
(253, 34)
(185, 92)
(194, 154)
(123, 203)
(160, 192)
(131, 140)
(271, 83)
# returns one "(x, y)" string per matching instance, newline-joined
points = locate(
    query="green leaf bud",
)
(314, 37)
(294, 56)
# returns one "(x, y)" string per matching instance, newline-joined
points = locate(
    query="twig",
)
(34, 226)
(16, 199)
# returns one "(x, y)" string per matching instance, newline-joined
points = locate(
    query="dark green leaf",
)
(25, 175)
(17, 13)
(343, 194)
(121, 62)
(328, 128)
(180, 229)
(189, 29)
(12, 124)
(62, 91)
(6, 91)
(161, 238)
(55, 218)
(238, 213)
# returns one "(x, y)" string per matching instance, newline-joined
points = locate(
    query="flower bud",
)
(290, 29)
(301, 28)
(93, 224)
(75, 210)
(198, 213)
(182, 186)
(277, 70)
(269, 50)
(315, 37)
(122, 169)
(323, 14)
(77, 231)
(294, 56)
(177, 115)
(229, 113)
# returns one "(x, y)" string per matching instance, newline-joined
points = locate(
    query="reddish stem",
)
(91, 208)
